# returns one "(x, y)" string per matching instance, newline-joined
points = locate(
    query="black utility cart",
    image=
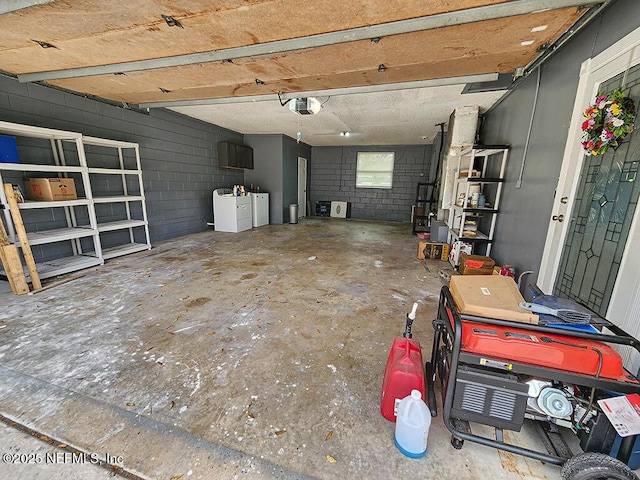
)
(499, 372)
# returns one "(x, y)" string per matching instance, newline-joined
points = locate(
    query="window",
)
(374, 170)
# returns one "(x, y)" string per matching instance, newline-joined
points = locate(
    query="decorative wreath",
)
(607, 122)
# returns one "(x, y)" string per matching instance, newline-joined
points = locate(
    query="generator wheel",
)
(596, 466)
(456, 442)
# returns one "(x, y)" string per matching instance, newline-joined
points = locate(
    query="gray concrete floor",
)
(220, 355)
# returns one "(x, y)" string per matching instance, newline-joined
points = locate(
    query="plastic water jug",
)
(412, 426)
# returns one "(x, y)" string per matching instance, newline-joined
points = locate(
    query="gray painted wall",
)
(333, 177)
(275, 163)
(525, 212)
(178, 154)
(267, 170)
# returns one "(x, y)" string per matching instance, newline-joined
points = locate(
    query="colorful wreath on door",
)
(607, 121)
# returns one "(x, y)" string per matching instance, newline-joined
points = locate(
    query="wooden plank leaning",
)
(22, 235)
(12, 264)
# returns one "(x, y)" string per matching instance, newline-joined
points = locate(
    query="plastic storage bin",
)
(8, 150)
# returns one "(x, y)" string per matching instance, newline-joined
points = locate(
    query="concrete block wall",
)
(333, 177)
(178, 154)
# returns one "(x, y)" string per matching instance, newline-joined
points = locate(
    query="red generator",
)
(500, 373)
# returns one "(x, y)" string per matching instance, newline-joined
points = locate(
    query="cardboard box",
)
(476, 264)
(433, 250)
(492, 296)
(50, 189)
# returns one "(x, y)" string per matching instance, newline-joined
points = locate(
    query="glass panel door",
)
(605, 203)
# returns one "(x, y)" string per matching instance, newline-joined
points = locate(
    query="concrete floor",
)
(220, 355)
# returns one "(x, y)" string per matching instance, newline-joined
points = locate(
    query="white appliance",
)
(260, 208)
(231, 213)
(339, 209)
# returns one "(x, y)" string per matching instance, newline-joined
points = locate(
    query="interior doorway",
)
(302, 187)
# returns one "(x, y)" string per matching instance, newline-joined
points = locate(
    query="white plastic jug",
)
(412, 425)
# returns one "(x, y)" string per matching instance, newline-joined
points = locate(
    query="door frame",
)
(613, 61)
(302, 188)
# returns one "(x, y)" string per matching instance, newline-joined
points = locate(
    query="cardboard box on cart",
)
(492, 296)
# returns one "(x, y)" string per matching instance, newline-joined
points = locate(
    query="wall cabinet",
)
(231, 155)
(69, 234)
(475, 199)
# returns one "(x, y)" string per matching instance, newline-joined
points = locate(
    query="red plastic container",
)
(404, 372)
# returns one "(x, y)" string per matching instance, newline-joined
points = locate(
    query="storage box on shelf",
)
(50, 189)
(475, 199)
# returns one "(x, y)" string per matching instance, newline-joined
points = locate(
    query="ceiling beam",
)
(436, 82)
(489, 12)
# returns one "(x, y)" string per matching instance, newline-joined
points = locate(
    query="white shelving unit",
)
(480, 169)
(79, 214)
(113, 167)
(123, 160)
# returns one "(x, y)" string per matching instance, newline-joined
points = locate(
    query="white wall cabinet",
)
(475, 199)
(68, 232)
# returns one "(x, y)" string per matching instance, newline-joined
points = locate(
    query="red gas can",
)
(404, 371)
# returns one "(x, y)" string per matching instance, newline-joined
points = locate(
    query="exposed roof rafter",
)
(488, 12)
(438, 82)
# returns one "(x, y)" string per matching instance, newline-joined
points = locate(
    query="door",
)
(591, 253)
(302, 187)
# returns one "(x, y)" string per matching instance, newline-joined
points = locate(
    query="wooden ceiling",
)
(211, 52)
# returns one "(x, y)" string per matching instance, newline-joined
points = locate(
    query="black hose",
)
(593, 389)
